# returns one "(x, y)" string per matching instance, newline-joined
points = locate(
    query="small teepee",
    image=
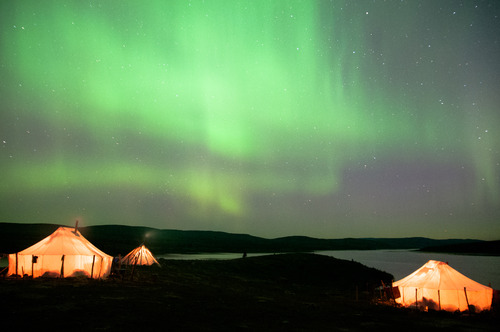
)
(139, 256)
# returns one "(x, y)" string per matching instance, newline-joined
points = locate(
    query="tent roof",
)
(65, 240)
(439, 275)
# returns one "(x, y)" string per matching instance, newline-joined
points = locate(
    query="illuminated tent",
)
(438, 286)
(64, 253)
(139, 256)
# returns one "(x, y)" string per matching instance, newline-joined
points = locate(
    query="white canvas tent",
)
(438, 286)
(64, 253)
(139, 256)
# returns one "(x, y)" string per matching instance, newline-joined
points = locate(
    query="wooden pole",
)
(416, 298)
(17, 266)
(92, 271)
(466, 298)
(62, 267)
(439, 299)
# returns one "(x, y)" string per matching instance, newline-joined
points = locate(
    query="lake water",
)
(399, 263)
(216, 256)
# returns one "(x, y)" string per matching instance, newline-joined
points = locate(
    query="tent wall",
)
(437, 286)
(449, 300)
(53, 265)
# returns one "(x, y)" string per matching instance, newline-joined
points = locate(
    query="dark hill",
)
(287, 269)
(476, 248)
(417, 242)
(118, 239)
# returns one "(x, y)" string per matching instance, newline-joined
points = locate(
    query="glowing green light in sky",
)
(217, 101)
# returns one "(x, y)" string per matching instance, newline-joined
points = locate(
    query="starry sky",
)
(328, 119)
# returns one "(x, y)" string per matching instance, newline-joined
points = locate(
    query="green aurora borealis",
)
(320, 118)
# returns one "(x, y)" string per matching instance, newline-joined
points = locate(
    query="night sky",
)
(328, 119)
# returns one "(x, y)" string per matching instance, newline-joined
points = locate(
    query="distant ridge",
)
(120, 239)
(473, 248)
